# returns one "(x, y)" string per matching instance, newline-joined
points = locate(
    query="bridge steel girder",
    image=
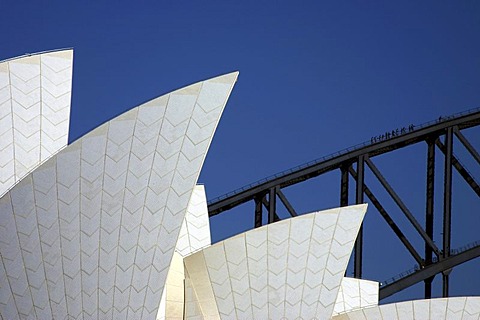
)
(429, 271)
(299, 175)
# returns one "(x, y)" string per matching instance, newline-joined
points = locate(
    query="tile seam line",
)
(4, 268)
(210, 285)
(161, 218)
(286, 264)
(222, 106)
(100, 226)
(186, 221)
(248, 273)
(146, 190)
(123, 206)
(39, 243)
(40, 132)
(80, 296)
(170, 186)
(306, 263)
(328, 257)
(15, 179)
(230, 279)
(60, 234)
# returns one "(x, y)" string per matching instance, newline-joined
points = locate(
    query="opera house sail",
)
(35, 95)
(115, 226)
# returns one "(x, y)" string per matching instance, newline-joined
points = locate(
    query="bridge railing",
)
(335, 154)
(416, 267)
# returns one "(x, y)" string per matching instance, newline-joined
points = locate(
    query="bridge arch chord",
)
(431, 270)
(345, 158)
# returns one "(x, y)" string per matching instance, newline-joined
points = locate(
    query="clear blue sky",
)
(315, 77)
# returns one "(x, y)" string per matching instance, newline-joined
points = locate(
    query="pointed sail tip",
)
(226, 78)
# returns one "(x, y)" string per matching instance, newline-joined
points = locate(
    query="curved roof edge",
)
(455, 308)
(234, 75)
(36, 53)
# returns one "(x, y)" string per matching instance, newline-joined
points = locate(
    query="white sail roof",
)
(289, 269)
(91, 232)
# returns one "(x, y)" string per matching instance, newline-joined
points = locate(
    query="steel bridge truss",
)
(434, 260)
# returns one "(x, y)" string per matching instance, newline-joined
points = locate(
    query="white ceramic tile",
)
(405, 310)
(455, 307)
(355, 294)
(421, 309)
(438, 308)
(372, 313)
(472, 308)
(389, 311)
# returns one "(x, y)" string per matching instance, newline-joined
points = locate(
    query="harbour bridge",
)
(433, 256)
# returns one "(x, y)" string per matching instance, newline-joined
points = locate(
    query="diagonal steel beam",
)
(403, 207)
(467, 144)
(286, 203)
(389, 220)
(463, 172)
